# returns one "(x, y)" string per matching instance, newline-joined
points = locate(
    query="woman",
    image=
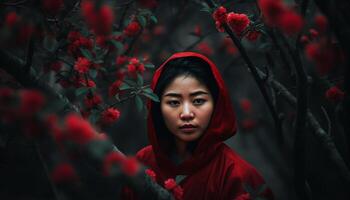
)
(187, 129)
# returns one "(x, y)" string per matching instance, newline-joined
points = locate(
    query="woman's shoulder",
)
(236, 164)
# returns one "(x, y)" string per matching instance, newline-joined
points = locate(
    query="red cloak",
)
(214, 171)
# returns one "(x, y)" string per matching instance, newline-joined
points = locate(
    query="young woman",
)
(187, 129)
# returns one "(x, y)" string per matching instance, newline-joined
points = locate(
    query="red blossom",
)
(151, 174)
(272, 10)
(321, 22)
(63, 173)
(90, 84)
(304, 39)
(132, 29)
(246, 105)
(130, 166)
(248, 124)
(170, 184)
(78, 130)
(135, 66)
(334, 94)
(82, 65)
(52, 6)
(178, 193)
(100, 20)
(73, 36)
(113, 158)
(197, 30)
(220, 14)
(11, 19)
(80, 42)
(253, 35)
(237, 22)
(291, 22)
(150, 4)
(114, 88)
(204, 48)
(122, 59)
(322, 54)
(32, 101)
(93, 101)
(313, 33)
(109, 116)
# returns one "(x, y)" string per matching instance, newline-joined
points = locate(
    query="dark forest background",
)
(289, 85)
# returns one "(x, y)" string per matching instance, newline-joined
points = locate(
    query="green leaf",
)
(93, 73)
(139, 103)
(149, 65)
(81, 91)
(152, 96)
(124, 86)
(130, 82)
(118, 45)
(94, 116)
(139, 80)
(86, 53)
(154, 19)
(142, 20)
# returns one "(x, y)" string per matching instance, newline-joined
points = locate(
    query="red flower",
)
(82, 65)
(11, 19)
(130, 166)
(132, 29)
(52, 6)
(151, 174)
(100, 20)
(304, 39)
(321, 22)
(32, 101)
(170, 184)
(135, 66)
(198, 30)
(93, 101)
(109, 116)
(322, 54)
(78, 130)
(291, 22)
(205, 48)
(248, 124)
(178, 193)
(272, 10)
(63, 173)
(253, 35)
(113, 158)
(150, 4)
(220, 14)
(73, 36)
(246, 105)
(90, 84)
(114, 88)
(334, 94)
(120, 60)
(313, 33)
(237, 22)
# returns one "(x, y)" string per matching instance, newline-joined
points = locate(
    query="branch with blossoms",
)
(234, 24)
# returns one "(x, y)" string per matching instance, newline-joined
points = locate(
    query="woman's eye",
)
(199, 101)
(173, 103)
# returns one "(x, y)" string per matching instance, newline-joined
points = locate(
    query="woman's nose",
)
(186, 113)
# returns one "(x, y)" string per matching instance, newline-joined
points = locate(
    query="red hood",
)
(222, 126)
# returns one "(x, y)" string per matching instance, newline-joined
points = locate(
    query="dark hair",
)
(189, 66)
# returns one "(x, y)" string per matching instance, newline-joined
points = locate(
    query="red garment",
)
(214, 171)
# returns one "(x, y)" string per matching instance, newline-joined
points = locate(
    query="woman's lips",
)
(188, 128)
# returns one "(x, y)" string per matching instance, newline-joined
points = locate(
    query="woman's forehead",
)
(185, 84)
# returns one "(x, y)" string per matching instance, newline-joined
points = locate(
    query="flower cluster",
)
(109, 116)
(132, 29)
(171, 185)
(135, 66)
(78, 41)
(82, 65)
(276, 13)
(100, 20)
(334, 94)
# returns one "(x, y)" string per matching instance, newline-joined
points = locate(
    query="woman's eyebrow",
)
(172, 94)
(199, 93)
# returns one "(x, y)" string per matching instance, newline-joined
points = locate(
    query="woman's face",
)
(187, 106)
